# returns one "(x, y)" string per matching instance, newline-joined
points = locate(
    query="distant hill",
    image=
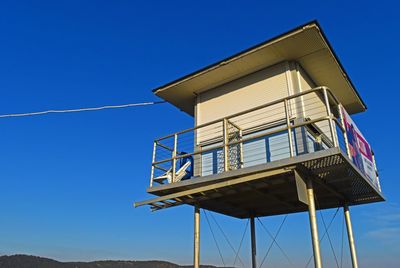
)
(25, 261)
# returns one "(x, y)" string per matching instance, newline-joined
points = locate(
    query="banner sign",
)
(360, 150)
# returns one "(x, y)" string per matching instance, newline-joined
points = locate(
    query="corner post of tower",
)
(313, 223)
(350, 236)
(196, 254)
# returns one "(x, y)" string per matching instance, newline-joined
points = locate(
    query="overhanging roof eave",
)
(340, 64)
(236, 55)
(255, 48)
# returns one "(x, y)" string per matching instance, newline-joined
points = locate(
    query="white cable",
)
(82, 109)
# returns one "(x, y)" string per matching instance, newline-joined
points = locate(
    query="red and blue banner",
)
(360, 150)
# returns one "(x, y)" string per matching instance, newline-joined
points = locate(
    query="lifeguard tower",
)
(272, 129)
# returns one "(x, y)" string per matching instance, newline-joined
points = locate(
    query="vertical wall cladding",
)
(314, 104)
(197, 159)
(264, 86)
(253, 90)
(242, 94)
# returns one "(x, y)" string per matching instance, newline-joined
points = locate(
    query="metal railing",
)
(301, 123)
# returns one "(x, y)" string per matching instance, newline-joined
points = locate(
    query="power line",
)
(82, 109)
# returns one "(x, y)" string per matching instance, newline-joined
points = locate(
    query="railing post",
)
(289, 127)
(331, 123)
(225, 136)
(346, 140)
(152, 163)
(174, 158)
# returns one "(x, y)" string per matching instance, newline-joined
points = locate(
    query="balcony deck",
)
(270, 189)
(237, 187)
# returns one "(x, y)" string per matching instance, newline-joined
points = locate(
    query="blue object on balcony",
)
(183, 161)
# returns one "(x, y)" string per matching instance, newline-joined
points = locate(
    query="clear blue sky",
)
(68, 181)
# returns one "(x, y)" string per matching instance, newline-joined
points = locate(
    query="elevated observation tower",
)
(272, 129)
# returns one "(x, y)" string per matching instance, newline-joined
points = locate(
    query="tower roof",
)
(306, 44)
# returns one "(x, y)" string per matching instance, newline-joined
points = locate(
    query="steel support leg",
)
(350, 236)
(313, 224)
(196, 255)
(253, 243)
